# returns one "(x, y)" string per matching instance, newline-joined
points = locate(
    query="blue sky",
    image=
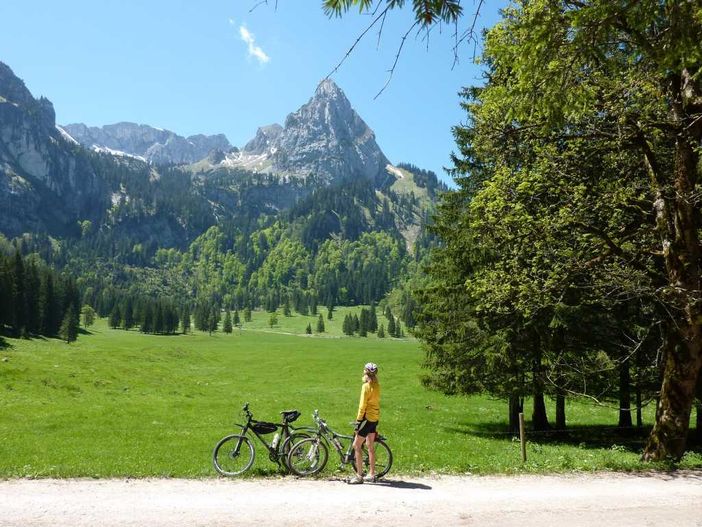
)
(218, 67)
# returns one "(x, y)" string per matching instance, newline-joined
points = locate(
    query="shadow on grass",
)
(4, 344)
(632, 439)
(586, 436)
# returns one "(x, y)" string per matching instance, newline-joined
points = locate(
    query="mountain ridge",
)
(152, 144)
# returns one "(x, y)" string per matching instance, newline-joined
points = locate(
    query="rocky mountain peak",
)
(12, 88)
(324, 138)
(328, 89)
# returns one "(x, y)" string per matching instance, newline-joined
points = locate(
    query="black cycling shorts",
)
(367, 427)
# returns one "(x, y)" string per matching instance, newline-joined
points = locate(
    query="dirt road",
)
(600, 500)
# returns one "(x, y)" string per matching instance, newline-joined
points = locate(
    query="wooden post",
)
(522, 436)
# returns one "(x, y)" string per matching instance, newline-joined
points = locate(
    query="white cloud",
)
(254, 50)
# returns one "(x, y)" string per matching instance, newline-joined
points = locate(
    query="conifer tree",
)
(373, 326)
(19, 318)
(320, 324)
(247, 314)
(308, 329)
(69, 325)
(185, 318)
(363, 323)
(391, 326)
(115, 317)
(227, 326)
(237, 320)
(128, 314)
(381, 332)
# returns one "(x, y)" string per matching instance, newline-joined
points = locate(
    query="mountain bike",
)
(235, 453)
(309, 456)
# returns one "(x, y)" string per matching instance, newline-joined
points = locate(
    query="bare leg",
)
(357, 449)
(370, 443)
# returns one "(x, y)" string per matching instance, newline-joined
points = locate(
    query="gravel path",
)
(655, 499)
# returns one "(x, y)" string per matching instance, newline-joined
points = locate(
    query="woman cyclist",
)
(366, 423)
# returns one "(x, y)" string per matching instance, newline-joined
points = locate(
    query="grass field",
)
(119, 403)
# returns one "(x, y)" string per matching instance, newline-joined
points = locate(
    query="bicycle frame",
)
(332, 438)
(286, 430)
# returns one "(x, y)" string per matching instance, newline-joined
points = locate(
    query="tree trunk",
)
(560, 410)
(678, 222)
(515, 408)
(668, 437)
(639, 417)
(624, 395)
(539, 419)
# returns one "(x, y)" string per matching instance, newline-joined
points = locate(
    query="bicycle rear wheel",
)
(233, 455)
(308, 457)
(383, 458)
(284, 450)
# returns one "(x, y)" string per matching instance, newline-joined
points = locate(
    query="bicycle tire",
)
(308, 457)
(383, 458)
(286, 446)
(229, 454)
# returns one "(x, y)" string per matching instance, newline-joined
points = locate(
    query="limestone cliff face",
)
(46, 183)
(152, 144)
(325, 138)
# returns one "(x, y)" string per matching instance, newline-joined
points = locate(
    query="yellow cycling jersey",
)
(369, 406)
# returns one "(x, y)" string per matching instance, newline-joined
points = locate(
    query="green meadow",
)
(123, 404)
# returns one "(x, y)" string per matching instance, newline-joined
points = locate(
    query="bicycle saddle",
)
(290, 415)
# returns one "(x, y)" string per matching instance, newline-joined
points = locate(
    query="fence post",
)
(522, 436)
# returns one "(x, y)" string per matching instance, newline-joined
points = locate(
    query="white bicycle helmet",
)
(371, 367)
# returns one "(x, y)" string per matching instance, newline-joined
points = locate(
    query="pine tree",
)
(212, 321)
(363, 323)
(320, 324)
(115, 317)
(227, 326)
(286, 309)
(273, 320)
(19, 318)
(237, 320)
(381, 332)
(247, 314)
(185, 318)
(388, 313)
(69, 325)
(373, 326)
(308, 329)
(347, 327)
(147, 324)
(391, 326)
(128, 314)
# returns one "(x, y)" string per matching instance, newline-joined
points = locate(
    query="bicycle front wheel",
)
(383, 458)
(308, 457)
(233, 455)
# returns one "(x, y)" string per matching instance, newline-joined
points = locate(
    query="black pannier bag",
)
(263, 427)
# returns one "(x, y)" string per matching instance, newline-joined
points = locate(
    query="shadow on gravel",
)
(401, 484)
